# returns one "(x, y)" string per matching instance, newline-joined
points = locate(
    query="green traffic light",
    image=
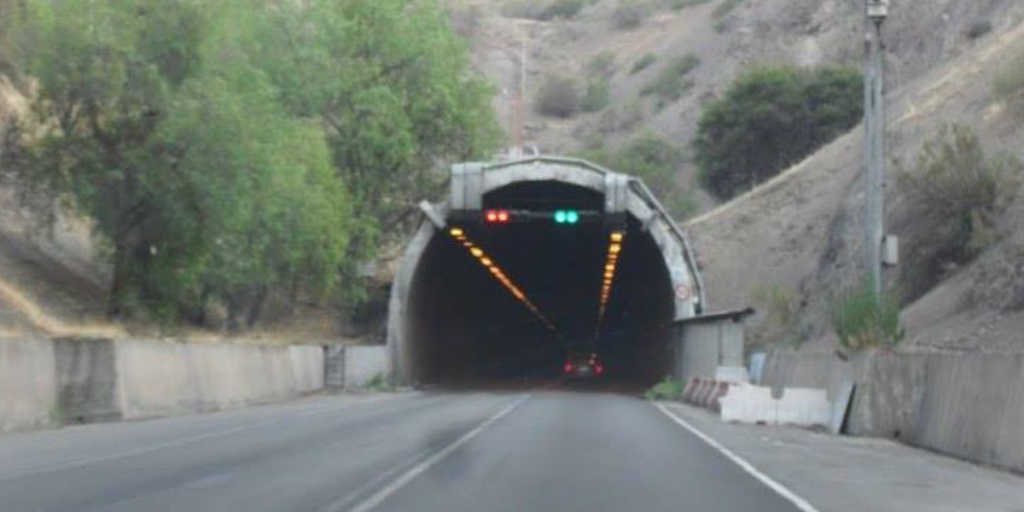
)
(566, 216)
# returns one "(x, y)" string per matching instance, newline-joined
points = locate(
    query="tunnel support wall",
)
(703, 344)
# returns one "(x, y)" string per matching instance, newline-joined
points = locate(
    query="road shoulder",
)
(839, 474)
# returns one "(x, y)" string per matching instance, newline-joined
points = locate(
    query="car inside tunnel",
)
(466, 327)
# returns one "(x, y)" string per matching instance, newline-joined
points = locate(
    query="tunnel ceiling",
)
(459, 323)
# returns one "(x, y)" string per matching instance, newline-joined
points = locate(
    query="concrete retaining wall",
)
(966, 405)
(28, 384)
(45, 382)
(354, 366)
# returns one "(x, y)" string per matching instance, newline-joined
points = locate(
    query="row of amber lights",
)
(460, 235)
(610, 265)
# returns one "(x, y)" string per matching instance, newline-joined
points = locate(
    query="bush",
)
(671, 83)
(678, 5)
(601, 65)
(978, 29)
(623, 118)
(721, 12)
(629, 14)
(862, 320)
(667, 389)
(543, 10)
(1008, 84)
(724, 9)
(956, 186)
(643, 63)
(378, 383)
(559, 96)
(771, 118)
(597, 97)
(780, 309)
(655, 161)
(564, 9)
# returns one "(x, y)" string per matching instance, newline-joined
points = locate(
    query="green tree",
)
(771, 118)
(152, 121)
(390, 82)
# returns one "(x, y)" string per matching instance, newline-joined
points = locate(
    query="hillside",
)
(726, 41)
(803, 229)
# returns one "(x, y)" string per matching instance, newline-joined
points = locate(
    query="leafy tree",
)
(771, 118)
(154, 123)
(390, 82)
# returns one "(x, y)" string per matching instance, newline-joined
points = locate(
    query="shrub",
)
(655, 161)
(629, 14)
(725, 8)
(601, 65)
(770, 118)
(678, 5)
(954, 184)
(564, 9)
(862, 320)
(667, 389)
(721, 12)
(671, 83)
(978, 29)
(622, 118)
(1008, 84)
(559, 96)
(780, 309)
(643, 63)
(597, 97)
(543, 10)
(378, 383)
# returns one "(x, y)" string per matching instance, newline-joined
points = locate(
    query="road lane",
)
(494, 451)
(301, 462)
(588, 452)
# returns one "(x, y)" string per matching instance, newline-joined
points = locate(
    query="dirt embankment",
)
(802, 231)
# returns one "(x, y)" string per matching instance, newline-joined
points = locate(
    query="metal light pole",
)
(874, 138)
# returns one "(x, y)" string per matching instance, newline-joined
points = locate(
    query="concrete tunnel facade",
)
(451, 321)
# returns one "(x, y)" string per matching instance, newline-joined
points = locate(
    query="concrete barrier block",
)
(746, 403)
(804, 407)
(732, 374)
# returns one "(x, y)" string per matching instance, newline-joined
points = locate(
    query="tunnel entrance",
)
(463, 326)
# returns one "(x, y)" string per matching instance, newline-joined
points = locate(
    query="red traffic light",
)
(497, 216)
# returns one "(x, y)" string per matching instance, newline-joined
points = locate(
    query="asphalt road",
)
(549, 450)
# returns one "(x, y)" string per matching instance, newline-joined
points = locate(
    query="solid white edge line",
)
(779, 489)
(384, 493)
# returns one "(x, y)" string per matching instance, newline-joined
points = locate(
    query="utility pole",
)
(517, 116)
(874, 141)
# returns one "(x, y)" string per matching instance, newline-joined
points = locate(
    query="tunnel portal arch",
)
(624, 197)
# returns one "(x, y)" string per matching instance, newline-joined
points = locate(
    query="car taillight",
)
(568, 367)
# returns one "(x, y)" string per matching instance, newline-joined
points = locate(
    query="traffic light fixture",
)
(497, 217)
(566, 216)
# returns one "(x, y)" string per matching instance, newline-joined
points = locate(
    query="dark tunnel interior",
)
(465, 327)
